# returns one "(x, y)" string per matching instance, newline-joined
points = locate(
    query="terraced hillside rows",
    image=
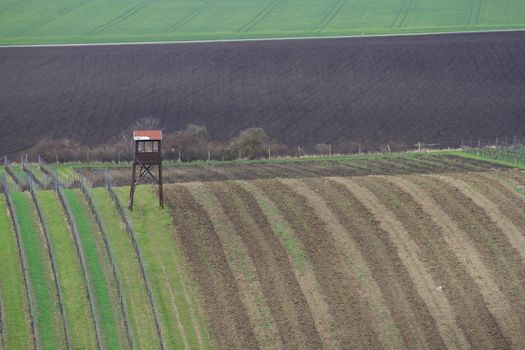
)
(406, 251)
(379, 164)
(16, 320)
(68, 284)
(400, 261)
(432, 89)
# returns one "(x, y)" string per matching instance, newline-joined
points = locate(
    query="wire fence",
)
(83, 264)
(21, 180)
(41, 180)
(509, 149)
(2, 321)
(133, 236)
(23, 260)
(50, 249)
(86, 188)
(70, 180)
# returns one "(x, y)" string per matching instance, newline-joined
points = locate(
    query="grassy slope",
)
(98, 21)
(138, 305)
(95, 264)
(16, 317)
(72, 284)
(163, 265)
(46, 302)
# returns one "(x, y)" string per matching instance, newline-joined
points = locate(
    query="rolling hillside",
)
(78, 21)
(402, 251)
(414, 261)
(399, 90)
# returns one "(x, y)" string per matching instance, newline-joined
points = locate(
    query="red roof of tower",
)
(141, 135)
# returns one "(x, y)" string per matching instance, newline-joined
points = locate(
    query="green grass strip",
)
(138, 305)
(47, 308)
(76, 304)
(16, 315)
(105, 308)
(281, 228)
(154, 230)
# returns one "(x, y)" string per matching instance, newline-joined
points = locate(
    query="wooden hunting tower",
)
(147, 155)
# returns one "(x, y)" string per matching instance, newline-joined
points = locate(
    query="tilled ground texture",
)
(418, 163)
(434, 89)
(377, 261)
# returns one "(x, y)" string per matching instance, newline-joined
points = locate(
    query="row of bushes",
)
(192, 143)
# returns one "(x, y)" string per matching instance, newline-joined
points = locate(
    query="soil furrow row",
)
(202, 247)
(467, 252)
(451, 276)
(438, 305)
(302, 267)
(353, 264)
(512, 232)
(411, 315)
(349, 310)
(289, 306)
(243, 268)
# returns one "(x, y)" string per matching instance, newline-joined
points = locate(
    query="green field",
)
(48, 319)
(178, 308)
(98, 271)
(76, 304)
(14, 302)
(83, 21)
(138, 305)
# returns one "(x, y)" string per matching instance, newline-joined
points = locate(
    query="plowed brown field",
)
(430, 88)
(406, 260)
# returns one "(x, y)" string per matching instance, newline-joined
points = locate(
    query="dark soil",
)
(202, 248)
(350, 312)
(408, 309)
(397, 90)
(281, 289)
(474, 318)
(501, 259)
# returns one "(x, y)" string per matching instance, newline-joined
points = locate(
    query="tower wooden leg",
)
(132, 188)
(161, 189)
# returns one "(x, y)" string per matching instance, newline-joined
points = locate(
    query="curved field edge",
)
(465, 305)
(58, 22)
(347, 74)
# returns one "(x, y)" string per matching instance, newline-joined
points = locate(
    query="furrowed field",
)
(399, 251)
(399, 90)
(81, 21)
(414, 250)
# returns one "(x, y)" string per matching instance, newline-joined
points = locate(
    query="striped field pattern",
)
(371, 253)
(401, 261)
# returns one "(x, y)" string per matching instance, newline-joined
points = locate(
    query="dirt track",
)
(434, 89)
(402, 261)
